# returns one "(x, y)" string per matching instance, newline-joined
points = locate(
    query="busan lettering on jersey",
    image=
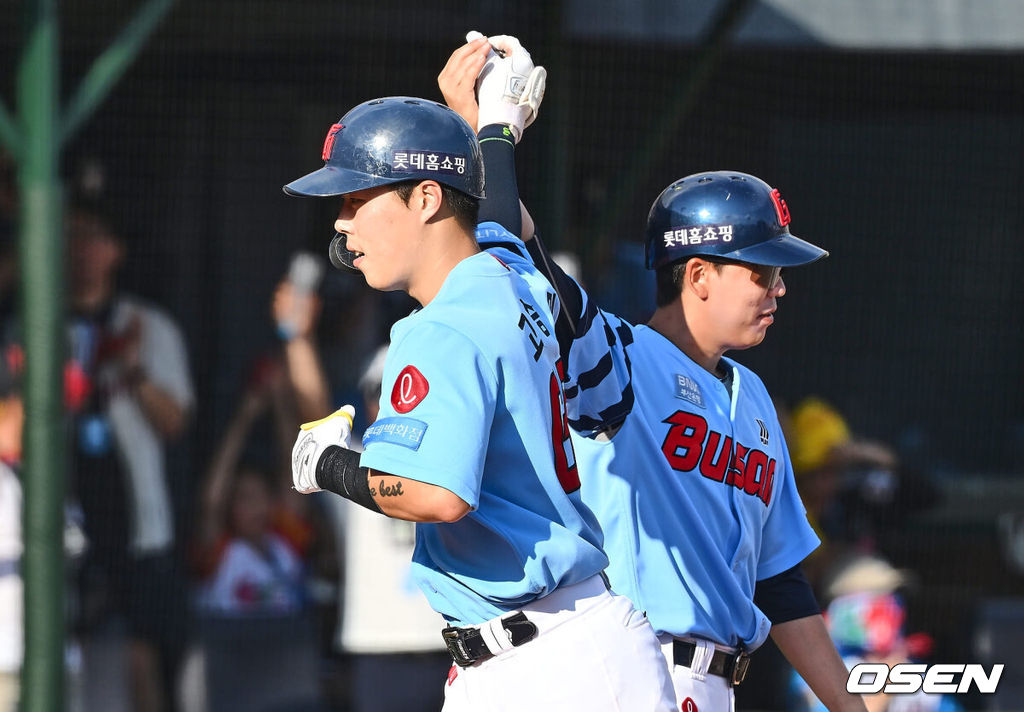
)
(690, 445)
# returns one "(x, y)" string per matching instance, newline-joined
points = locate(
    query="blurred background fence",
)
(894, 130)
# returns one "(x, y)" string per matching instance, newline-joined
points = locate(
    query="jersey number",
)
(565, 456)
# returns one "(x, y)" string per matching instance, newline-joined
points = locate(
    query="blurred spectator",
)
(249, 550)
(296, 311)
(387, 624)
(12, 418)
(11, 622)
(865, 617)
(857, 492)
(130, 395)
(258, 648)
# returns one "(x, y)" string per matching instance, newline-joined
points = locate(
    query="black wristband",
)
(338, 471)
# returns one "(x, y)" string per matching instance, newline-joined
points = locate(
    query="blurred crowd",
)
(273, 601)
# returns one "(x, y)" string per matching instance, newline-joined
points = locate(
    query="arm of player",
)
(322, 460)
(806, 644)
(338, 471)
(414, 501)
(497, 144)
(457, 82)
(588, 340)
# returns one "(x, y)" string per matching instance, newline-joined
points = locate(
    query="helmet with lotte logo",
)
(391, 140)
(395, 139)
(725, 214)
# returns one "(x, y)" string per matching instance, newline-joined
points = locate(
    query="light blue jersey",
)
(695, 491)
(471, 401)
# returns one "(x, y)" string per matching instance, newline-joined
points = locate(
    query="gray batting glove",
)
(313, 439)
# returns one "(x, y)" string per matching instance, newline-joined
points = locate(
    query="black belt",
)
(731, 666)
(467, 645)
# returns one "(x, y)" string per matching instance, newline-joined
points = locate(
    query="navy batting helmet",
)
(724, 214)
(390, 140)
(394, 139)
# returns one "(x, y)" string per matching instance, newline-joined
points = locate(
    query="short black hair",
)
(464, 207)
(668, 280)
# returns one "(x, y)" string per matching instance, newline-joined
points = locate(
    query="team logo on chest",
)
(688, 389)
(410, 388)
(691, 446)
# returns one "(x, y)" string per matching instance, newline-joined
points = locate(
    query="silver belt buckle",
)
(739, 667)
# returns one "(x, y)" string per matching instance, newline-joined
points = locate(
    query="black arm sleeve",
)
(786, 596)
(502, 202)
(502, 206)
(338, 471)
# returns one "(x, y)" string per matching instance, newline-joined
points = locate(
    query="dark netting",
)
(905, 165)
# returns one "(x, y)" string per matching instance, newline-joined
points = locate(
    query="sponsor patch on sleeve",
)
(407, 432)
(410, 388)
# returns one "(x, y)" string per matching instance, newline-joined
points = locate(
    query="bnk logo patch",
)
(411, 387)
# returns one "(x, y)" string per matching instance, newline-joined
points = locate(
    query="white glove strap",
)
(533, 93)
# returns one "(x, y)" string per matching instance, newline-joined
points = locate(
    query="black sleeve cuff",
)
(786, 596)
(502, 202)
(338, 471)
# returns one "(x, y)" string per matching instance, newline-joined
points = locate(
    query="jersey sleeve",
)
(787, 537)
(593, 347)
(436, 408)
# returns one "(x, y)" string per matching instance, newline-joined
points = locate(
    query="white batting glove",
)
(313, 439)
(510, 88)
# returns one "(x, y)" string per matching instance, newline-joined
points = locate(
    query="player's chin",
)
(377, 279)
(755, 335)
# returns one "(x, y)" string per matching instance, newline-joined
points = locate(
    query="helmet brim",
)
(782, 251)
(330, 181)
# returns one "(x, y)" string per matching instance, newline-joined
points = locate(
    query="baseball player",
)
(471, 441)
(679, 448)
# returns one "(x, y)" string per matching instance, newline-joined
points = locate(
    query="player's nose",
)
(342, 224)
(780, 287)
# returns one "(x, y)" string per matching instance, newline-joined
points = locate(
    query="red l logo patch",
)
(410, 388)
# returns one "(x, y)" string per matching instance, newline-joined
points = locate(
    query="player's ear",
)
(429, 199)
(695, 277)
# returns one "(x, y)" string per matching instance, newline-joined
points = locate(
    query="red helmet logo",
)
(329, 141)
(780, 208)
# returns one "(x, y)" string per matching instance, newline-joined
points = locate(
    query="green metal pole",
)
(10, 133)
(111, 65)
(41, 263)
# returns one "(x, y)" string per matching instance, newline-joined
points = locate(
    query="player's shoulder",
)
(424, 333)
(443, 339)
